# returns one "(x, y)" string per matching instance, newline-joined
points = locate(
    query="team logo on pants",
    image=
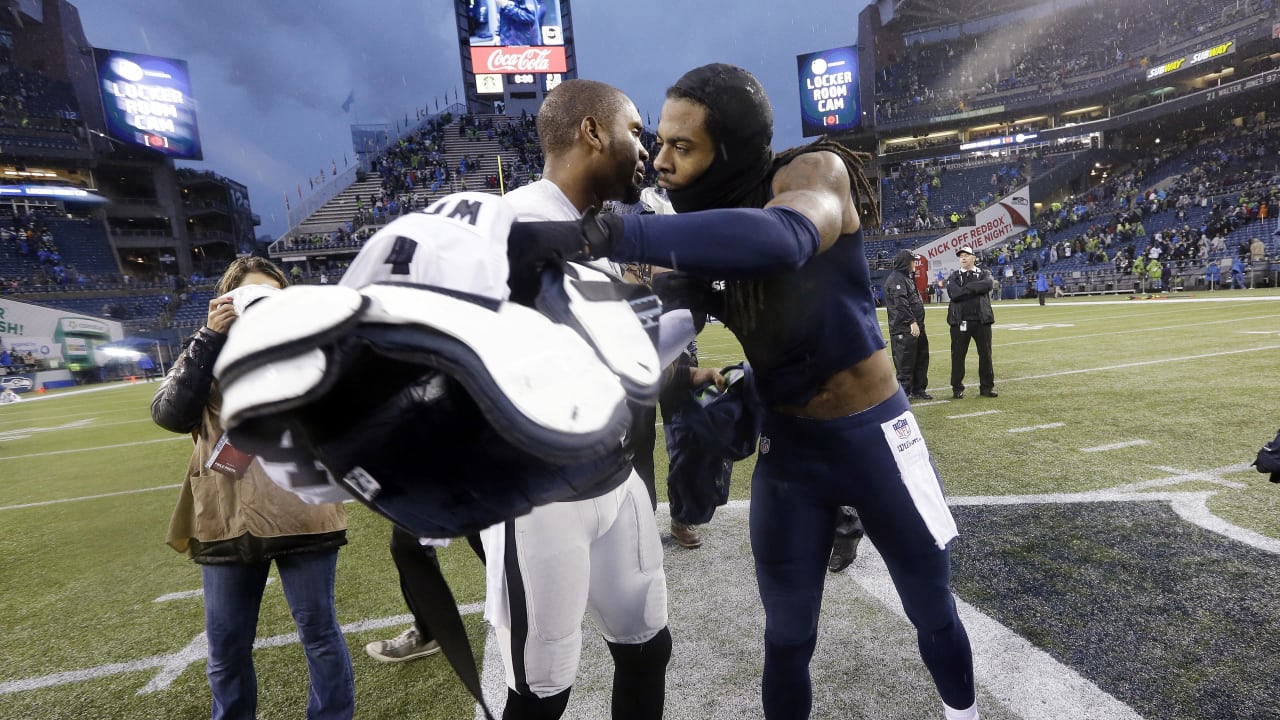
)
(903, 428)
(764, 445)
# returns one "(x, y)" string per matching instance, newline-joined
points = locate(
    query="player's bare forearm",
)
(816, 185)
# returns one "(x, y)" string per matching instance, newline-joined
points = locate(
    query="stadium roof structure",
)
(916, 15)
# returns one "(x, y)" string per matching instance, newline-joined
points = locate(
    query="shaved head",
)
(572, 100)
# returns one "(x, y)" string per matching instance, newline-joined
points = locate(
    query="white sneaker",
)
(406, 646)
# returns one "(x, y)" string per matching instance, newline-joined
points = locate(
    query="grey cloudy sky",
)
(270, 76)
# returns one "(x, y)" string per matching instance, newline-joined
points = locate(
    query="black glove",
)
(591, 237)
(681, 290)
(531, 246)
(1268, 460)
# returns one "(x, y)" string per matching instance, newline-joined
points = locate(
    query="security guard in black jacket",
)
(906, 327)
(970, 317)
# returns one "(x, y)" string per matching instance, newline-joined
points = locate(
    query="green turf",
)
(78, 579)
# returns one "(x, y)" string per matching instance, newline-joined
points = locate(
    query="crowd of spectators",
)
(26, 235)
(910, 198)
(1223, 183)
(1041, 54)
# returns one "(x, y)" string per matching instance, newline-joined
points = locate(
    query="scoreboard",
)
(147, 102)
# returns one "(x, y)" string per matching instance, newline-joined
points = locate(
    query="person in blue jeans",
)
(234, 522)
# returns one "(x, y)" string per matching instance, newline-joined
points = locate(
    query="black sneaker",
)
(921, 395)
(990, 393)
(843, 552)
(957, 394)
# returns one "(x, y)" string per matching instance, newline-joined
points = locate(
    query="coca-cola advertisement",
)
(504, 60)
(492, 23)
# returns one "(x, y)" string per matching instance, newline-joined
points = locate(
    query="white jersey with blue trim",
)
(467, 252)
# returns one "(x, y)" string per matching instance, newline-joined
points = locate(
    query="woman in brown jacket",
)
(233, 520)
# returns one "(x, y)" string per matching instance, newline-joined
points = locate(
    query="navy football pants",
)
(808, 468)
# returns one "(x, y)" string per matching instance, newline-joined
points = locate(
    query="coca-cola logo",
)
(518, 60)
(527, 60)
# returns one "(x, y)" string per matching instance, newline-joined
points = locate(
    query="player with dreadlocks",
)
(785, 235)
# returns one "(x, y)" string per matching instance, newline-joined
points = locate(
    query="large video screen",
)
(510, 37)
(147, 102)
(829, 91)
(513, 22)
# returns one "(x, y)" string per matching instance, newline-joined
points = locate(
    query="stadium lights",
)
(1081, 111)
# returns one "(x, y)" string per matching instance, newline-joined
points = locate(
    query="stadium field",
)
(1118, 558)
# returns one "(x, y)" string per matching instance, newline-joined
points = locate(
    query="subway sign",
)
(1190, 59)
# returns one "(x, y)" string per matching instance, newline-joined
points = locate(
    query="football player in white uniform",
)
(601, 554)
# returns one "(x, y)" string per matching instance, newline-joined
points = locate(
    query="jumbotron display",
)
(508, 37)
(147, 102)
(829, 91)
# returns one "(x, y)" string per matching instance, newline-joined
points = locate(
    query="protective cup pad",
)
(618, 319)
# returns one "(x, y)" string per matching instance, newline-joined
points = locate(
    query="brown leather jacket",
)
(220, 518)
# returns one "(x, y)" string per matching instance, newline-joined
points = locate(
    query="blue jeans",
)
(232, 596)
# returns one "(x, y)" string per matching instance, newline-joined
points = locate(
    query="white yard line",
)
(184, 594)
(1134, 331)
(1033, 428)
(1143, 363)
(172, 665)
(980, 413)
(1115, 446)
(88, 497)
(95, 449)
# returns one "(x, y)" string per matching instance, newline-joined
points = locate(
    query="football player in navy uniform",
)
(785, 235)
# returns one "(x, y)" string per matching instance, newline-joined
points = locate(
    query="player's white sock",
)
(969, 713)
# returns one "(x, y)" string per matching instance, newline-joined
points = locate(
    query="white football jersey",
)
(459, 242)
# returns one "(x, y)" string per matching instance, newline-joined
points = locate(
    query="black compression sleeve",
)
(730, 244)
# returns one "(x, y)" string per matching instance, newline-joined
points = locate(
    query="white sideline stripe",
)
(26, 432)
(980, 413)
(36, 397)
(1032, 428)
(1025, 679)
(100, 447)
(1191, 506)
(88, 497)
(1115, 446)
(172, 664)
(199, 592)
(931, 402)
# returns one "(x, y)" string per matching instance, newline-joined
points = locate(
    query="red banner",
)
(509, 60)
